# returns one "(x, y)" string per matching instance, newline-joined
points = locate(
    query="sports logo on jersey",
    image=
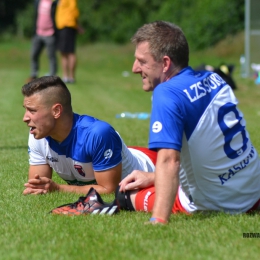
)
(79, 169)
(157, 127)
(52, 159)
(108, 154)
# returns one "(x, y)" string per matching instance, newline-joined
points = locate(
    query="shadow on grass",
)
(202, 215)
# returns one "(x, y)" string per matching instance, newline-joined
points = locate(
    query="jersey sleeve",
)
(166, 125)
(35, 151)
(104, 146)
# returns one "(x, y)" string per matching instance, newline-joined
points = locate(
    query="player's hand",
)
(137, 180)
(34, 191)
(40, 185)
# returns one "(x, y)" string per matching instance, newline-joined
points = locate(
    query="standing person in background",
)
(67, 24)
(44, 36)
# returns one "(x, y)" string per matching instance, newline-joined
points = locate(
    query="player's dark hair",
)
(165, 39)
(53, 87)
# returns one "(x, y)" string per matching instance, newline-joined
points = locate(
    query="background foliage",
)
(204, 22)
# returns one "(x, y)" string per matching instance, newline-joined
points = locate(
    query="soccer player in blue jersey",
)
(205, 160)
(82, 150)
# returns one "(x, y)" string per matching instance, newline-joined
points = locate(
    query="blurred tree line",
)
(204, 22)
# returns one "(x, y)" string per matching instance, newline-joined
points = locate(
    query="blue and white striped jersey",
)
(92, 145)
(196, 113)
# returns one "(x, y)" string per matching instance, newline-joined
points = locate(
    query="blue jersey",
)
(92, 145)
(196, 113)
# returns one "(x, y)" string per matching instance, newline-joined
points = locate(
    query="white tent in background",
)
(252, 36)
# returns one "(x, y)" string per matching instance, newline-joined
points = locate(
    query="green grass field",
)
(27, 231)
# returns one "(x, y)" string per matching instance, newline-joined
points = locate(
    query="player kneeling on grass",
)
(84, 151)
(205, 160)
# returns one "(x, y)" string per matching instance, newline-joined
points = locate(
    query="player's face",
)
(38, 116)
(150, 70)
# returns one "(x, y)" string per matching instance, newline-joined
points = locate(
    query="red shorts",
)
(255, 207)
(151, 154)
(144, 201)
(145, 198)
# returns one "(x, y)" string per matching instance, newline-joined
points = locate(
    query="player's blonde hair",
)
(165, 39)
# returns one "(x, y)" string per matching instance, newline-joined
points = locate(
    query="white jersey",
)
(92, 145)
(196, 113)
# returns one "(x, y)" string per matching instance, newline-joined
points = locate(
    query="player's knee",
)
(124, 200)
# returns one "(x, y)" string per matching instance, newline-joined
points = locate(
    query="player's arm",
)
(43, 170)
(166, 182)
(107, 182)
(137, 180)
(38, 177)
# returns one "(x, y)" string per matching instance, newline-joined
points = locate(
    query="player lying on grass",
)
(84, 151)
(206, 160)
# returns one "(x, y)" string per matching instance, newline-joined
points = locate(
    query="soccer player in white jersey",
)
(205, 159)
(82, 150)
